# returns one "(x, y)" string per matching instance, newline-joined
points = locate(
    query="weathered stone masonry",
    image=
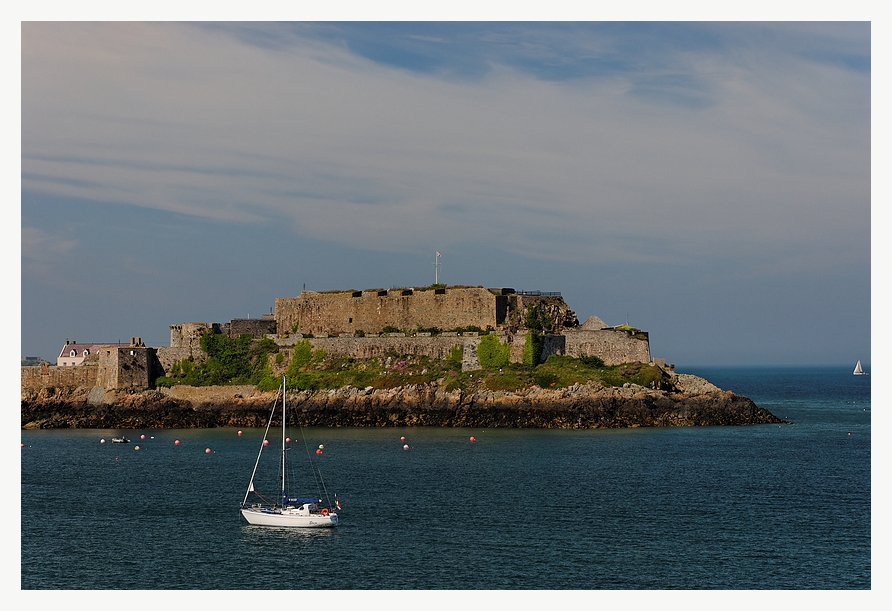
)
(371, 311)
(334, 319)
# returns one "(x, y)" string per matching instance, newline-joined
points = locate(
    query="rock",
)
(693, 402)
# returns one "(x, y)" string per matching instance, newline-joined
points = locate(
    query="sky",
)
(708, 182)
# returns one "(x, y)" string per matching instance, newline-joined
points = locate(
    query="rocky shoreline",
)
(693, 402)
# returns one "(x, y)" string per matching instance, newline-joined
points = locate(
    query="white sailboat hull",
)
(290, 517)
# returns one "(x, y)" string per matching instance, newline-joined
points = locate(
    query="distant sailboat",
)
(858, 371)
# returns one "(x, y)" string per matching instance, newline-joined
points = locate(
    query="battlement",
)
(373, 310)
(352, 323)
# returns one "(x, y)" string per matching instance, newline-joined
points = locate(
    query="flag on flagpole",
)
(439, 255)
(337, 502)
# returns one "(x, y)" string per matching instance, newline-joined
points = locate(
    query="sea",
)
(765, 507)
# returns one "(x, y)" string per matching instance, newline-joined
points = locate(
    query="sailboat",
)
(858, 371)
(291, 512)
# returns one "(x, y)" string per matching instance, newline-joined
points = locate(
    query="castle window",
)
(357, 293)
(351, 320)
(73, 353)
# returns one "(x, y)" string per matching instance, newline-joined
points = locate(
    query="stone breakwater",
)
(695, 402)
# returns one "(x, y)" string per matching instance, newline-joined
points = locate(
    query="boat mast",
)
(284, 496)
(269, 423)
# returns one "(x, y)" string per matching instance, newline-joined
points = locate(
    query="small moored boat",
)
(120, 440)
(858, 371)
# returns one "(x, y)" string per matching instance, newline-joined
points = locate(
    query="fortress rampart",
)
(614, 346)
(350, 323)
(51, 376)
(111, 367)
(371, 311)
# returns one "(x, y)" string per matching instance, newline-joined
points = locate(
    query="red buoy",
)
(402, 438)
(142, 436)
(318, 451)
(472, 438)
(239, 433)
(288, 440)
(266, 442)
(207, 451)
(177, 442)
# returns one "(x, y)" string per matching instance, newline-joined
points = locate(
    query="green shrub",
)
(507, 380)
(545, 378)
(532, 348)
(453, 361)
(591, 360)
(229, 359)
(491, 353)
(533, 318)
(303, 352)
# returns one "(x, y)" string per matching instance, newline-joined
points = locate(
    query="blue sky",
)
(709, 182)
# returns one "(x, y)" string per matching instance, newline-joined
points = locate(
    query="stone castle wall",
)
(168, 356)
(52, 376)
(255, 327)
(335, 318)
(188, 334)
(613, 346)
(436, 347)
(372, 311)
(131, 367)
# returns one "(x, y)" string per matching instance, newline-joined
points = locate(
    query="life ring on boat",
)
(324, 511)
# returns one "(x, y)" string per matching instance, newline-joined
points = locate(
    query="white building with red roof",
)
(74, 353)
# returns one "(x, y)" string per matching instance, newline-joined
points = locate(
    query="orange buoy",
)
(324, 511)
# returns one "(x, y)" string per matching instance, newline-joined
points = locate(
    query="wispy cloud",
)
(622, 143)
(252, 122)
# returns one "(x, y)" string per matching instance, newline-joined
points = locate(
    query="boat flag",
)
(337, 502)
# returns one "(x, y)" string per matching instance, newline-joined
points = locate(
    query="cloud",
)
(41, 252)
(630, 142)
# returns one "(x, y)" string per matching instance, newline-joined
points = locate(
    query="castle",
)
(427, 321)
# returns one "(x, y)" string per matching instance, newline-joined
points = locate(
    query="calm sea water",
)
(760, 507)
